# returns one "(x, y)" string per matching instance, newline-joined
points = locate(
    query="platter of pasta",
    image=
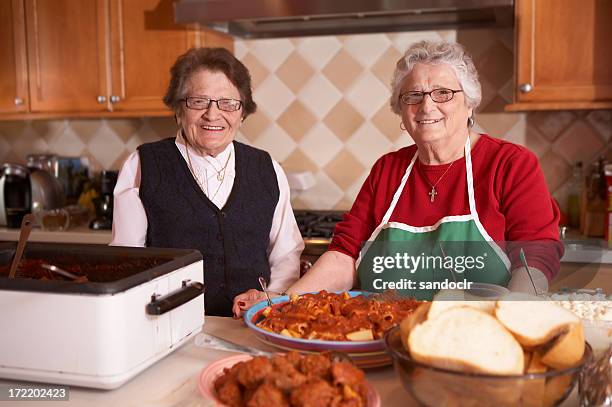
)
(351, 322)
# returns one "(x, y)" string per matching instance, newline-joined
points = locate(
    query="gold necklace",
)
(221, 172)
(195, 176)
(432, 194)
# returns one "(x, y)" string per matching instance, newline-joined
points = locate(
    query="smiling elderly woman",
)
(455, 206)
(204, 190)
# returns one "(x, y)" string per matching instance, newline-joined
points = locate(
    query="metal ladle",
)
(26, 228)
(59, 271)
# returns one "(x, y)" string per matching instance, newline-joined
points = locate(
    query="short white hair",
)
(438, 52)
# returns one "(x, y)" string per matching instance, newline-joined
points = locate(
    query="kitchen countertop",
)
(172, 382)
(81, 234)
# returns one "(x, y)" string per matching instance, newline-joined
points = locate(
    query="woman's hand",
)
(246, 300)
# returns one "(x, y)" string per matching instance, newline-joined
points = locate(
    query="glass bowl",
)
(436, 387)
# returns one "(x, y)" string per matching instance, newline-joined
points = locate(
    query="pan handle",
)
(161, 305)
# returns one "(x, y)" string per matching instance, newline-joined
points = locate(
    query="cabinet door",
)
(13, 66)
(564, 52)
(67, 55)
(145, 42)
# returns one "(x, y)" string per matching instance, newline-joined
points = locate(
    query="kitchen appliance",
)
(104, 204)
(288, 18)
(15, 194)
(47, 191)
(139, 305)
(317, 228)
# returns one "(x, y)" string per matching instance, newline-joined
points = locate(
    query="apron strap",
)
(399, 190)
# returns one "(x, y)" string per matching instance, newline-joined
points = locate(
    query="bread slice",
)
(567, 349)
(531, 320)
(469, 340)
(418, 316)
(438, 307)
(447, 299)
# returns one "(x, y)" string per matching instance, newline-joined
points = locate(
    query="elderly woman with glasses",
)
(204, 190)
(457, 207)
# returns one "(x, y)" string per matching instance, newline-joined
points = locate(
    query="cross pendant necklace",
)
(432, 194)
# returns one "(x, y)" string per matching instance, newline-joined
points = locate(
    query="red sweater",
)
(512, 200)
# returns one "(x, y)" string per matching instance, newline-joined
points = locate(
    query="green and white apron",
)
(445, 250)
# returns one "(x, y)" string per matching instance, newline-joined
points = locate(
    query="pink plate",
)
(210, 373)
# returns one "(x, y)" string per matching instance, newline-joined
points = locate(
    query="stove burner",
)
(317, 223)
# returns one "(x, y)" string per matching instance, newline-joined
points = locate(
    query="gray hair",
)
(438, 52)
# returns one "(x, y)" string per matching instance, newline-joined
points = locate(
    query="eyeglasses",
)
(200, 103)
(441, 95)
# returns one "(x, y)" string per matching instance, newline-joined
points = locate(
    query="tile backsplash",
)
(323, 107)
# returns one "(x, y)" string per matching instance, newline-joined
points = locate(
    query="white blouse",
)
(215, 175)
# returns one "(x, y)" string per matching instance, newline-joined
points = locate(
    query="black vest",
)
(233, 240)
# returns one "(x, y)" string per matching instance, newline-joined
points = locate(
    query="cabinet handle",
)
(115, 99)
(18, 101)
(101, 99)
(526, 88)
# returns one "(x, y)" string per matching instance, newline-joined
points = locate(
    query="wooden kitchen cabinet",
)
(563, 55)
(144, 44)
(13, 59)
(102, 58)
(67, 59)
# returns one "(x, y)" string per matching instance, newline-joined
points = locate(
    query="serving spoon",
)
(24, 233)
(59, 271)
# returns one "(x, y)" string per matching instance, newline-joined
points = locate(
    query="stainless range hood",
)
(289, 18)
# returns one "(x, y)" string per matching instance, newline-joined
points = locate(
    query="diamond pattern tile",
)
(164, 127)
(556, 170)
(552, 124)
(324, 194)
(323, 107)
(298, 161)
(254, 125)
(384, 67)
(387, 122)
(343, 120)
(367, 48)
(342, 169)
(497, 124)
(318, 50)
(601, 120)
(49, 129)
(271, 52)
(295, 72)
(579, 142)
(276, 142)
(28, 142)
(342, 70)
(297, 120)
(320, 95)
(368, 94)
(105, 147)
(401, 41)
(85, 129)
(258, 71)
(319, 136)
(276, 94)
(69, 144)
(368, 144)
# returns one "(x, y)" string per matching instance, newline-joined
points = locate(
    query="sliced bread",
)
(567, 349)
(418, 316)
(465, 339)
(531, 320)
